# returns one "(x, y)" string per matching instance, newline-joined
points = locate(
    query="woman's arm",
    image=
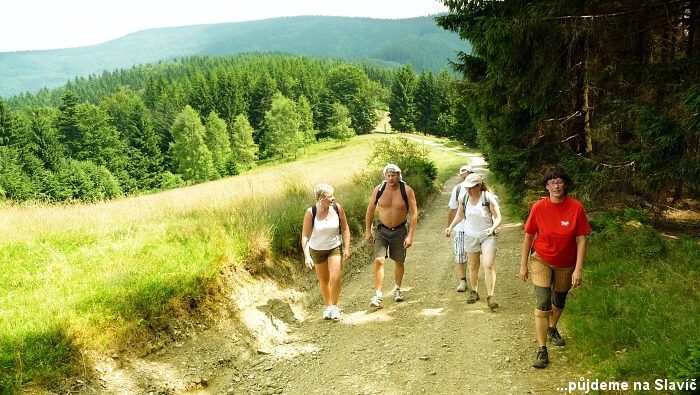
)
(525, 255)
(581, 245)
(345, 230)
(458, 218)
(305, 235)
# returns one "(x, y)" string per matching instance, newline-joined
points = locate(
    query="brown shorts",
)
(321, 256)
(545, 275)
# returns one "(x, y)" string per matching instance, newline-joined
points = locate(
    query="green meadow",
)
(105, 276)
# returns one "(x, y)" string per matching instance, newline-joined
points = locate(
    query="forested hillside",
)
(188, 121)
(383, 42)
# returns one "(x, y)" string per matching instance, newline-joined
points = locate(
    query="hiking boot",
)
(335, 313)
(554, 336)
(492, 303)
(542, 358)
(473, 297)
(327, 313)
(376, 302)
(462, 287)
(397, 295)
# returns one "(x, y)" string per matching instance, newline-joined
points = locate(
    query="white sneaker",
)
(376, 302)
(327, 313)
(335, 313)
(462, 287)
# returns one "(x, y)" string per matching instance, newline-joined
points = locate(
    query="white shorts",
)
(478, 244)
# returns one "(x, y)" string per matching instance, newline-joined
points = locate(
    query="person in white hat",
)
(482, 215)
(453, 205)
(391, 237)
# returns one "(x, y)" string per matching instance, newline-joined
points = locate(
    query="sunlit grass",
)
(640, 306)
(103, 276)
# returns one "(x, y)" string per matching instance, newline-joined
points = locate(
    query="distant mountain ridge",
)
(418, 41)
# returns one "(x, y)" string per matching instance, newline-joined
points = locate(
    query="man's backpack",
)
(337, 211)
(402, 188)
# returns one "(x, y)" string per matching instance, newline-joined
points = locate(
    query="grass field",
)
(101, 275)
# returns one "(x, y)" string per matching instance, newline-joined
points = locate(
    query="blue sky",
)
(49, 24)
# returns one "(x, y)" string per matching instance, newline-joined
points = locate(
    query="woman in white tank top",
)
(325, 230)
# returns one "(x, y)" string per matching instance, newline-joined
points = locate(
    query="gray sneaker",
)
(491, 303)
(462, 287)
(473, 297)
(554, 336)
(542, 358)
(376, 302)
(397, 295)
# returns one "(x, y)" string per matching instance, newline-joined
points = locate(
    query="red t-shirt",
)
(555, 227)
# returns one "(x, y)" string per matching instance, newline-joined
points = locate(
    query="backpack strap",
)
(485, 200)
(402, 188)
(337, 211)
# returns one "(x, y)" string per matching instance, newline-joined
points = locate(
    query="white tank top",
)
(324, 235)
(477, 218)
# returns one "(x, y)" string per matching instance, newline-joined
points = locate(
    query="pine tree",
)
(190, 155)
(244, 149)
(282, 122)
(340, 124)
(402, 108)
(218, 142)
(306, 117)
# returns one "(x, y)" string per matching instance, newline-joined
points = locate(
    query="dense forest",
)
(192, 120)
(611, 90)
(380, 42)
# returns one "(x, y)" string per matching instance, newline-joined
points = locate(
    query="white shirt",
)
(477, 217)
(324, 235)
(454, 204)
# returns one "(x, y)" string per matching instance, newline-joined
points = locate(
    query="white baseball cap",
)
(466, 169)
(471, 180)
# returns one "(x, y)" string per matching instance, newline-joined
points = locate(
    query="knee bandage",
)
(544, 298)
(559, 299)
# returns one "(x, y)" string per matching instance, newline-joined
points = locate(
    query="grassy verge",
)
(106, 276)
(638, 315)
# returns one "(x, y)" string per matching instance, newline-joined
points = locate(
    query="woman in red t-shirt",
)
(555, 246)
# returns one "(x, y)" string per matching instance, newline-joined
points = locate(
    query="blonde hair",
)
(322, 191)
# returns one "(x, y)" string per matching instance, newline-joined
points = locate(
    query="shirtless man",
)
(391, 238)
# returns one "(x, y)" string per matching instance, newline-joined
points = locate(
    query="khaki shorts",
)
(321, 256)
(478, 244)
(545, 275)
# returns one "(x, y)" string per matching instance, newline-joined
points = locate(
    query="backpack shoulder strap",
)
(337, 211)
(402, 188)
(313, 215)
(485, 199)
(379, 192)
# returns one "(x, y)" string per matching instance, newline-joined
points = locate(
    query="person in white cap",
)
(391, 237)
(460, 255)
(482, 215)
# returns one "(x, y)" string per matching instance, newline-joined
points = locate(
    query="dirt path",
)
(273, 341)
(433, 342)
